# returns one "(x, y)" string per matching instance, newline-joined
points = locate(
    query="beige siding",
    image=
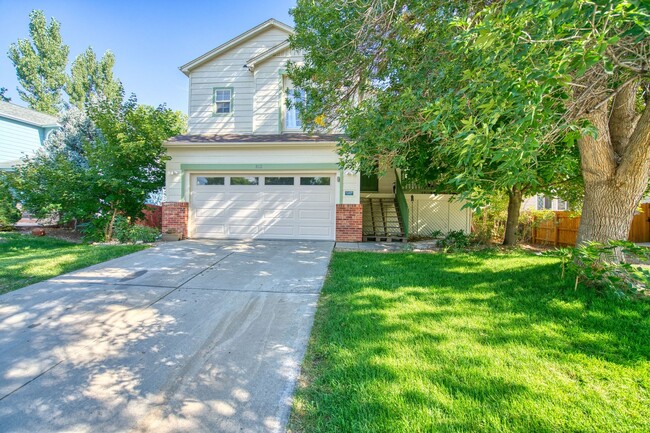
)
(269, 154)
(269, 93)
(228, 70)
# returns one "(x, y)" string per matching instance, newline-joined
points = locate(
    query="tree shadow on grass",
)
(444, 343)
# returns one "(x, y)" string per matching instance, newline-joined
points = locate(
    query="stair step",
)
(381, 220)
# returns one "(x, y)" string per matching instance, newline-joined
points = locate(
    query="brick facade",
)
(349, 222)
(174, 216)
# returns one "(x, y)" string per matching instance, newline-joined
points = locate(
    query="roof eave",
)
(261, 58)
(29, 122)
(207, 144)
(187, 68)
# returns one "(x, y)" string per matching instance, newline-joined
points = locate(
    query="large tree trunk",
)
(515, 199)
(615, 168)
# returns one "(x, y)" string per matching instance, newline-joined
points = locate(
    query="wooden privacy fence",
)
(152, 216)
(562, 229)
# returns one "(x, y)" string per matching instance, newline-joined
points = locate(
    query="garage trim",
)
(260, 167)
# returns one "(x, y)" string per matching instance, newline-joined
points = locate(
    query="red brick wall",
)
(174, 216)
(349, 221)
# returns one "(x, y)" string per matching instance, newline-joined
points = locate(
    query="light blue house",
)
(22, 131)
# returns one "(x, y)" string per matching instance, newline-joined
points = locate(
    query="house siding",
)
(228, 70)
(177, 180)
(269, 93)
(18, 139)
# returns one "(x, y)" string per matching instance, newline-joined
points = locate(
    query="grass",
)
(490, 342)
(26, 260)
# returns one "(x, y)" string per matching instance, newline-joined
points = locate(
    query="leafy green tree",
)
(3, 96)
(589, 61)
(100, 165)
(489, 95)
(40, 64)
(127, 161)
(394, 77)
(89, 76)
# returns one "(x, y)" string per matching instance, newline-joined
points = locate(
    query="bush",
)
(603, 267)
(454, 240)
(124, 231)
(9, 212)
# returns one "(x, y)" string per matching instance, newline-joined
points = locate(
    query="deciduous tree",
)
(101, 164)
(91, 77)
(497, 95)
(40, 63)
(395, 75)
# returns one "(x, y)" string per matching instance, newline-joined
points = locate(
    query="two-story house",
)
(247, 170)
(22, 132)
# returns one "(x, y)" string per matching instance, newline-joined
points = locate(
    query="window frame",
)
(289, 91)
(214, 101)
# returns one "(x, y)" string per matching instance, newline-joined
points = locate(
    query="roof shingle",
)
(26, 115)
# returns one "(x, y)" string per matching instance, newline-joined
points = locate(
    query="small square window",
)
(245, 180)
(278, 181)
(204, 180)
(315, 181)
(222, 101)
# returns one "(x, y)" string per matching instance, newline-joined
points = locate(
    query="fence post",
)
(556, 221)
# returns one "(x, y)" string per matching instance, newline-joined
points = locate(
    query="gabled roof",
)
(186, 68)
(250, 64)
(27, 115)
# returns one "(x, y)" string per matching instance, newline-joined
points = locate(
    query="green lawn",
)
(490, 342)
(27, 259)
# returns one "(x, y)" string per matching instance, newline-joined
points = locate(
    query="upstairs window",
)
(292, 118)
(222, 100)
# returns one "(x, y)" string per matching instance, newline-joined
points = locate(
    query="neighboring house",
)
(22, 131)
(246, 169)
(544, 202)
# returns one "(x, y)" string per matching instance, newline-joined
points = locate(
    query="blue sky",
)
(150, 39)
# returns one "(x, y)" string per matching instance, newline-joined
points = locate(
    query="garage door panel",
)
(325, 232)
(315, 197)
(243, 196)
(237, 214)
(279, 213)
(209, 212)
(242, 229)
(279, 230)
(314, 215)
(209, 230)
(263, 211)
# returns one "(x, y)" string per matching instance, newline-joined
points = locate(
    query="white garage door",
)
(271, 206)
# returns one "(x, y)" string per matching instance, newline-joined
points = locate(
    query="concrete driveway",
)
(193, 336)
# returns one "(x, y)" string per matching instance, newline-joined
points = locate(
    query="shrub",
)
(9, 213)
(124, 231)
(603, 267)
(454, 240)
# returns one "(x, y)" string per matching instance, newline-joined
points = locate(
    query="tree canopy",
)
(481, 96)
(90, 77)
(101, 163)
(40, 64)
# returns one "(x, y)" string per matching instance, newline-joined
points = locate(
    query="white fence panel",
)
(429, 213)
